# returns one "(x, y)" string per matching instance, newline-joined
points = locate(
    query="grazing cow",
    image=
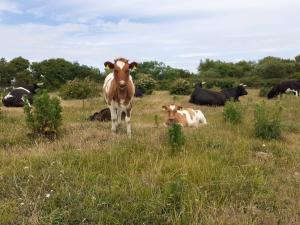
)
(15, 98)
(202, 96)
(285, 87)
(235, 92)
(138, 93)
(104, 115)
(185, 117)
(119, 91)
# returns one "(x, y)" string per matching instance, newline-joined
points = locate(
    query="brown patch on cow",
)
(122, 88)
(174, 116)
(191, 112)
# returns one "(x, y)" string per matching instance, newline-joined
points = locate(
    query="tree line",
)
(56, 72)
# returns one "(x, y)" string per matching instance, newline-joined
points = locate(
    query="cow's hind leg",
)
(119, 113)
(128, 123)
(113, 115)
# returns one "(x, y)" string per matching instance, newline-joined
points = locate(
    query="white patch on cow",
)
(21, 88)
(8, 96)
(172, 107)
(195, 120)
(107, 84)
(120, 64)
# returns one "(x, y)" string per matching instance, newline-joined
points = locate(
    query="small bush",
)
(146, 83)
(267, 122)
(45, 116)
(233, 112)
(79, 89)
(176, 137)
(180, 87)
(263, 92)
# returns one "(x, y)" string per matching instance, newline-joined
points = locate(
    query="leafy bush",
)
(79, 89)
(180, 87)
(146, 83)
(176, 137)
(45, 116)
(263, 92)
(267, 122)
(233, 112)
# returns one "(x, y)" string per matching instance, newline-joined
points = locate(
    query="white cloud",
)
(8, 6)
(179, 33)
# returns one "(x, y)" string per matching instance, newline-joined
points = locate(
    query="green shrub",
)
(146, 83)
(180, 87)
(45, 116)
(233, 112)
(79, 89)
(267, 122)
(263, 92)
(176, 137)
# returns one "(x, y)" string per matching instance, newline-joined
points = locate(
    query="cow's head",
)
(273, 92)
(241, 90)
(171, 110)
(121, 69)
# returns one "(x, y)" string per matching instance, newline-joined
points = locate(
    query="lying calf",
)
(185, 117)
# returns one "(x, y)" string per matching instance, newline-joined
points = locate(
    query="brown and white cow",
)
(119, 91)
(185, 117)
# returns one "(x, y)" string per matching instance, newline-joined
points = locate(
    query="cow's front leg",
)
(113, 115)
(128, 123)
(119, 115)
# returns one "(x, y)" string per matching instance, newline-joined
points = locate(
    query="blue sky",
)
(177, 32)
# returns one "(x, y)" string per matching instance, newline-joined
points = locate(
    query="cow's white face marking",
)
(8, 96)
(120, 64)
(172, 107)
(18, 88)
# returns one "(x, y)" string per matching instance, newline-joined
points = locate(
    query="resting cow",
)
(235, 92)
(185, 117)
(15, 98)
(285, 87)
(138, 93)
(103, 115)
(119, 91)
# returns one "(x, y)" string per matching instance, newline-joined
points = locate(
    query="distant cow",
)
(119, 91)
(185, 117)
(138, 93)
(15, 98)
(104, 115)
(284, 87)
(235, 92)
(201, 96)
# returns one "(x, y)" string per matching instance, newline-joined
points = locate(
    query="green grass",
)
(91, 176)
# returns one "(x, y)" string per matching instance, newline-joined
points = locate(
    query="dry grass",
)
(89, 176)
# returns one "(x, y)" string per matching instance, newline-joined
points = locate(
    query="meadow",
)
(222, 175)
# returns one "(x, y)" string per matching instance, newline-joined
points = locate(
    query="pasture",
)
(223, 174)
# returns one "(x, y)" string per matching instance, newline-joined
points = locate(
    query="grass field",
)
(223, 175)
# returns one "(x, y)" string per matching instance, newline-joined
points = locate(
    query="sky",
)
(177, 32)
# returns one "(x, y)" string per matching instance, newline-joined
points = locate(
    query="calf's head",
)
(241, 90)
(121, 69)
(171, 110)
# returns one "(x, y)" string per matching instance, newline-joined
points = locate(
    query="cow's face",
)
(242, 90)
(171, 110)
(121, 69)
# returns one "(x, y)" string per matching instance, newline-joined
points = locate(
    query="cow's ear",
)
(109, 65)
(164, 107)
(179, 107)
(133, 65)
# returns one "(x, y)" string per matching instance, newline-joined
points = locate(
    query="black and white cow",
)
(285, 87)
(235, 92)
(15, 98)
(202, 96)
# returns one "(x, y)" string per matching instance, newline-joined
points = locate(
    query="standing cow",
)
(15, 98)
(185, 117)
(284, 87)
(119, 91)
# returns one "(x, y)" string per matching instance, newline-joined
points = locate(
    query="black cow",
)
(284, 87)
(138, 93)
(104, 115)
(235, 92)
(15, 98)
(202, 96)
